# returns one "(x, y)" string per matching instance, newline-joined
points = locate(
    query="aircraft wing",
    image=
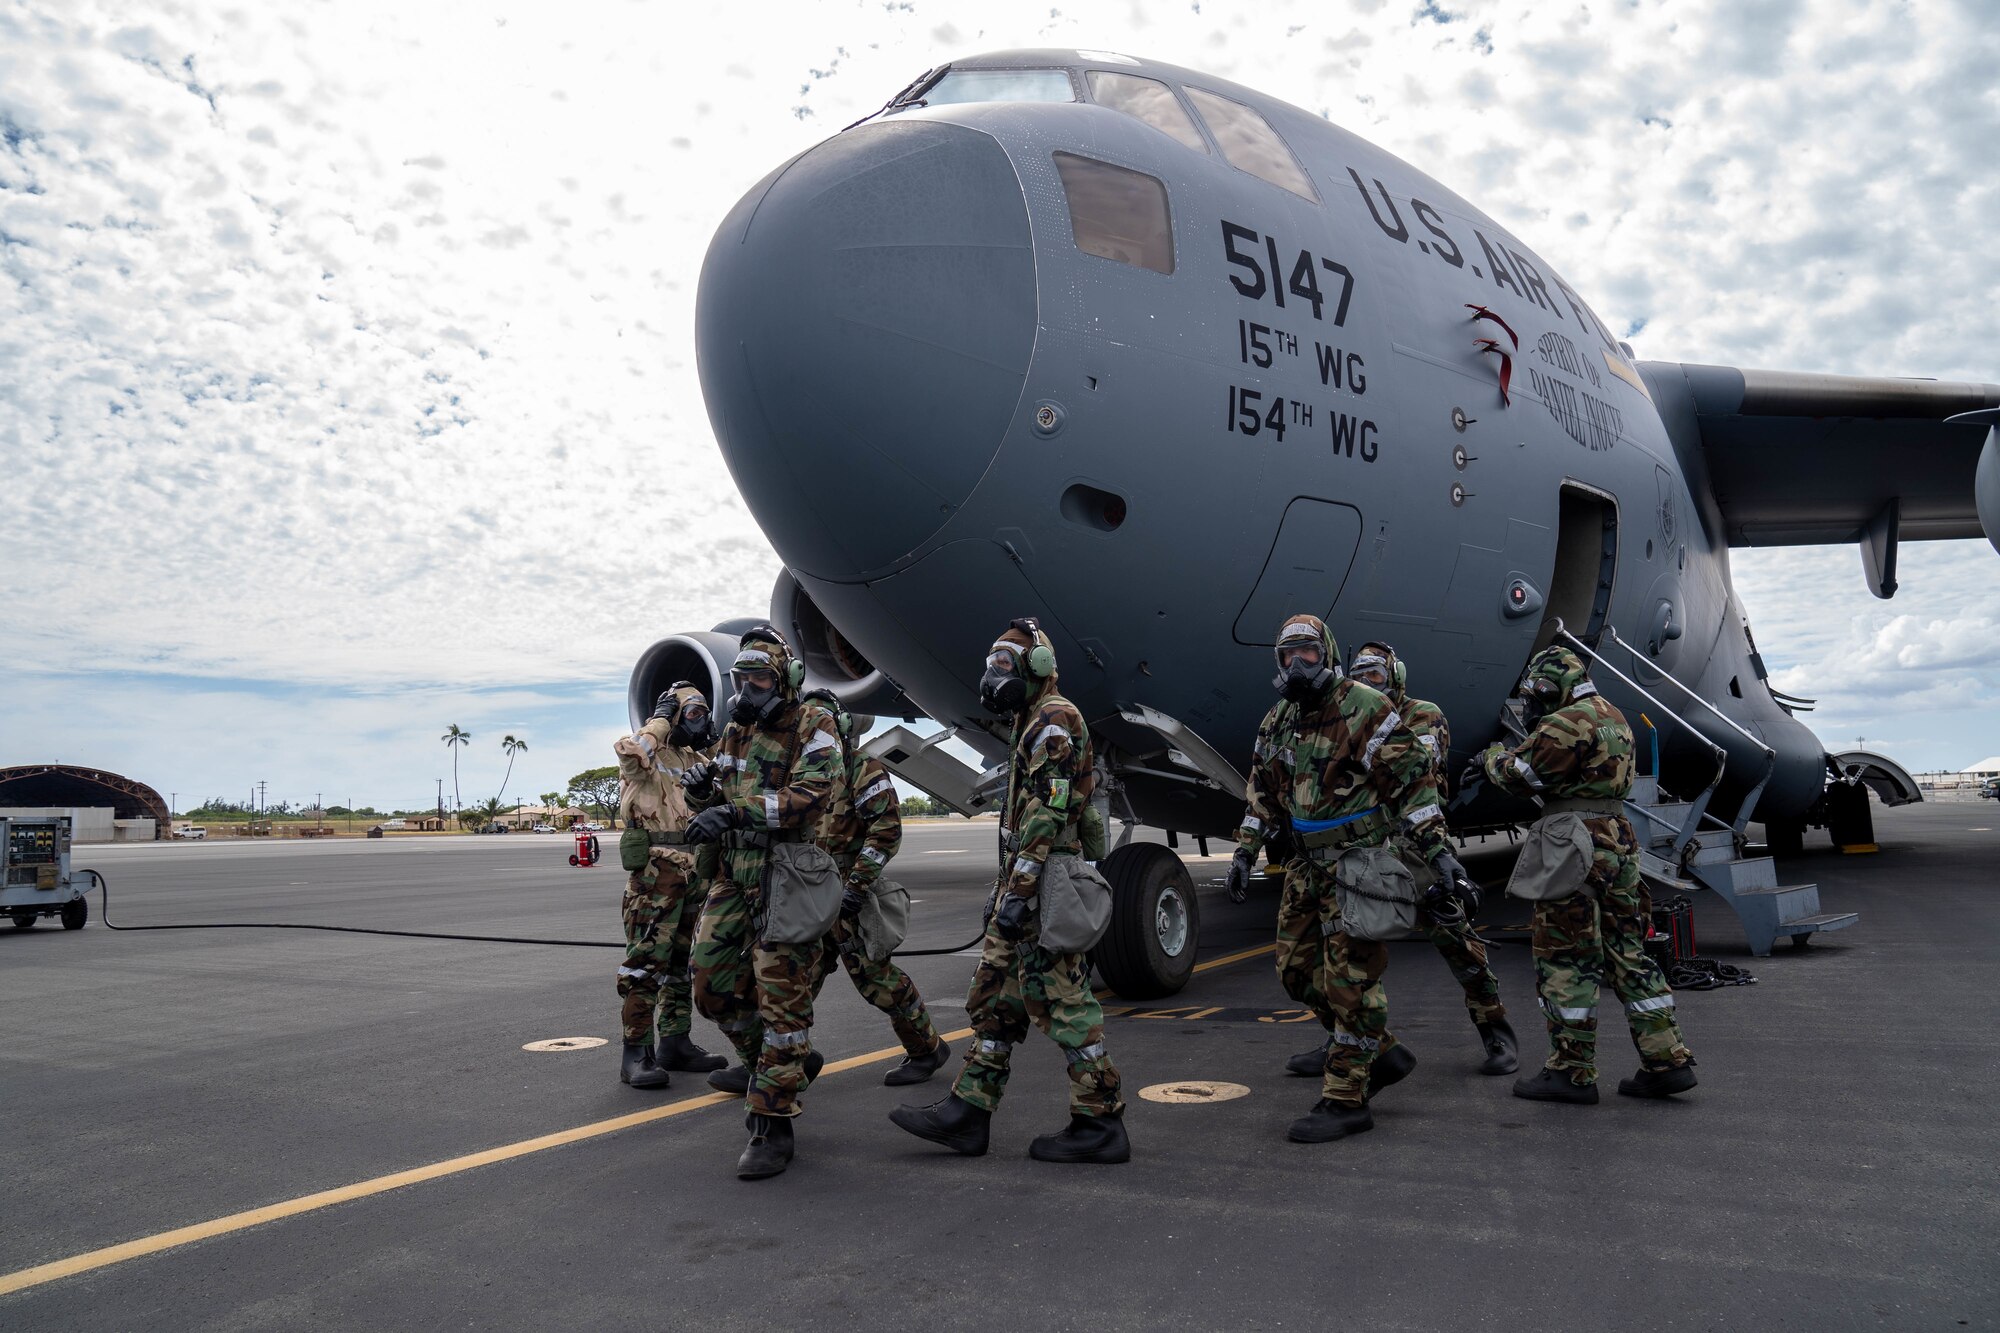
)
(1795, 459)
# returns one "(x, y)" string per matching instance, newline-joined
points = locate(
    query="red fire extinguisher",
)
(586, 852)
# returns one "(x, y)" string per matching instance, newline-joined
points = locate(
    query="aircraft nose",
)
(864, 327)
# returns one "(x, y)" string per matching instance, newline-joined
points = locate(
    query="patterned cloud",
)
(351, 345)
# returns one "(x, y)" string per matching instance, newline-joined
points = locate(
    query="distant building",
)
(102, 806)
(1985, 768)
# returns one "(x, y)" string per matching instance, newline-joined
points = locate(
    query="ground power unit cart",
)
(34, 872)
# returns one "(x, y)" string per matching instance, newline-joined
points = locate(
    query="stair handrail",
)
(1770, 755)
(1697, 807)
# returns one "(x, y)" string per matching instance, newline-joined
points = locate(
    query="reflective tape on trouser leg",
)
(985, 1047)
(787, 1040)
(1083, 1055)
(1652, 1005)
(1566, 1014)
(1369, 1044)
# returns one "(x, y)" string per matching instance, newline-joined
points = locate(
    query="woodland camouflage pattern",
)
(1456, 942)
(862, 831)
(662, 901)
(1583, 748)
(1341, 754)
(1049, 778)
(782, 778)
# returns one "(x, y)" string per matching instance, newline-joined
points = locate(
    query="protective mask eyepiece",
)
(1003, 689)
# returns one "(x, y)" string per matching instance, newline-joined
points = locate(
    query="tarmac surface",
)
(1835, 1169)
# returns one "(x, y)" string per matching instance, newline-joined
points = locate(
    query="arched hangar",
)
(66, 786)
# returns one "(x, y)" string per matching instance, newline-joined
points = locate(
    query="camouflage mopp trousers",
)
(884, 985)
(760, 995)
(659, 911)
(1595, 937)
(1338, 978)
(1019, 983)
(1463, 952)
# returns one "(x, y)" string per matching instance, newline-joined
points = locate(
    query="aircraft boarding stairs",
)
(1683, 848)
(1711, 860)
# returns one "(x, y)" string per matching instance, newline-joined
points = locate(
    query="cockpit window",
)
(1116, 213)
(1250, 144)
(1148, 100)
(1001, 85)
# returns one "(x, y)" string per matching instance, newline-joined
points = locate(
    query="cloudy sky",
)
(344, 347)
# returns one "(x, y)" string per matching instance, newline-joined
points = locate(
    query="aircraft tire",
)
(1153, 910)
(75, 912)
(1785, 839)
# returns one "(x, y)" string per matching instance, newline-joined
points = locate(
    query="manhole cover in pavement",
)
(564, 1044)
(1191, 1091)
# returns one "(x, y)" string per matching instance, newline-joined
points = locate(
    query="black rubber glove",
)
(1012, 917)
(709, 825)
(698, 780)
(1474, 772)
(1455, 882)
(851, 900)
(1240, 866)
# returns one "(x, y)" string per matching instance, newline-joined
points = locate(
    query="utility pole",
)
(440, 804)
(263, 802)
(319, 810)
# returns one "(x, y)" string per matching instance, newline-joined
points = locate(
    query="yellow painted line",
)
(1229, 958)
(91, 1260)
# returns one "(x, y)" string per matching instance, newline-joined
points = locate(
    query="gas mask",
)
(1003, 690)
(694, 726)
(1303, 671)
(1539, 699)
(755, 704)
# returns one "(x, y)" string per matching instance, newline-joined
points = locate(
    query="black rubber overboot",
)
(951, 1123)
(813, 1063)
(1330, 1120)
(735, 1079)
(917, 1068)
(1658, 1082)
(770, 1147)
(1502, 1051)
(638, 1068)
(1554, 1085)
(1095, 1139)
(1390, 1067)
(1310, 1064)
(680, 1052)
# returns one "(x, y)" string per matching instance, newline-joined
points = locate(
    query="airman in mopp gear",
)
(1017, 980)
(663, 898)
(1578, 757)
(1336, 759)
(1450, 931)
(862, 831)
(774, 772)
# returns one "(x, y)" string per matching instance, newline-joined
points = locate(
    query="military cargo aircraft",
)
(1160, 360)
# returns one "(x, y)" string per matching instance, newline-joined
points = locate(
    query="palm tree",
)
(454, 738)
(512, 747)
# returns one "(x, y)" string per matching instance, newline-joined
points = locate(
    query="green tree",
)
(472, 818)
(596, 790)
(512, 747)
(454, 738)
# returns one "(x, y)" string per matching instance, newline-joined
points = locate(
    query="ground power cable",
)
(104, 915)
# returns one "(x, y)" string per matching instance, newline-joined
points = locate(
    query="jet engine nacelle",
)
(700, 656)
(1986, 487)
(832, 663)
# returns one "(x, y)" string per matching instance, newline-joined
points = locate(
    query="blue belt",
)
(1322, 825)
